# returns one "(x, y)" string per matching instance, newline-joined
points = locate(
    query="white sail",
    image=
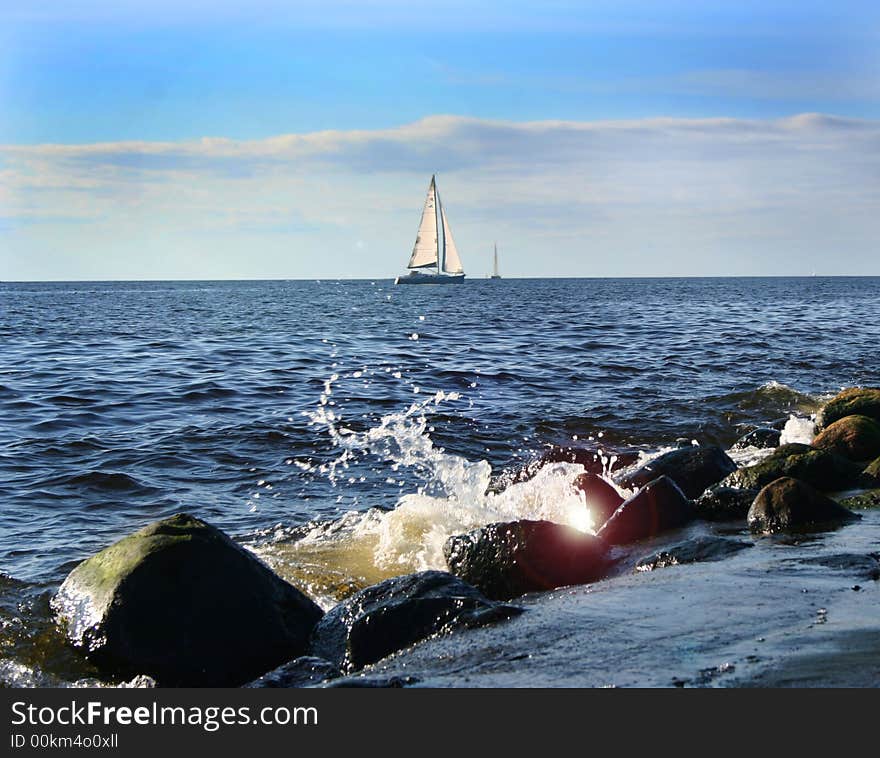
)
(495, 273)
(451, 261)
(424, 252)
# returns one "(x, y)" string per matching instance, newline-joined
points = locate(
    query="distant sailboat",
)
(434, 258)
(495, 274)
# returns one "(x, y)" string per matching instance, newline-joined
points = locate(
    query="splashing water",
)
(334, 559)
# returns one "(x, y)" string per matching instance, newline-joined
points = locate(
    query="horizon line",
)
(486, 277)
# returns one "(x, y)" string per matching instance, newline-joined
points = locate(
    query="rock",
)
(398, 612)
(506, 560)
(787, 504)
(658, 506)
(761, 438)
(867, 499)
(720, 503)
(140, 682)
(691, 551)
(853, 437)
(182, 602)
(691, 468)
(863, 401)
(822, 469)
(601, 497)
(304, 671)
(871, 474)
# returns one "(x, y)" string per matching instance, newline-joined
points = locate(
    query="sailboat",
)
(434, 258)
(495, 274)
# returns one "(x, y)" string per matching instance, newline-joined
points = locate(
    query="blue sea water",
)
(254, 404)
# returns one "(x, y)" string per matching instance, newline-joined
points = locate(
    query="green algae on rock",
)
(788, 504)
(864, 401)
(182, 602)
(854, 437)
(871, 474)
(867, 499)
(823, 469)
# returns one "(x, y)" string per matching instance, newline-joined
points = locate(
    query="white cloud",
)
(650, 196)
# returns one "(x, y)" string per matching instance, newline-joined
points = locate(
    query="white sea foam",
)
(798, 429)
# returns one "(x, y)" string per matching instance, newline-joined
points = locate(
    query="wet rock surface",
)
(305, 671)
(788, 504)
(657, 507)
(864, 401)
(720, 503)
(600, 497)
(182, 602)
(698, 549)
(505, 560)
(761, 438)
(393, 614)
(823, 469)
(693, 469)
(854, 437)
(871, 474)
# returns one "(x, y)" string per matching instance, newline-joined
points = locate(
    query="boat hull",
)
(416, 277)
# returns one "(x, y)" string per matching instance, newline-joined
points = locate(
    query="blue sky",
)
(677, 95)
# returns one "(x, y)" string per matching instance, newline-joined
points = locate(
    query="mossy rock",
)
(862, 401)
(788, 504)
(823, 469)
(854, 437)
(182, 602)
(871, 474)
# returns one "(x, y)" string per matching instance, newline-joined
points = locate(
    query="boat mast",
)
(441, 249)
(496, 259)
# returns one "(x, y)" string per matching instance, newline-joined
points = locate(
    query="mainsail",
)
(425, 251)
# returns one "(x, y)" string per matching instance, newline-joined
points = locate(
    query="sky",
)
(148, 139)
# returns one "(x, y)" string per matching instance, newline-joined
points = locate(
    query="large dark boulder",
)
(398, 612)
(692, 551)
(863, 401)
(691, 468)
(787, 504)
(854, 437)
(601, 498)
(506, 560)
(761, 438)
(823, 469)
(660, 505)
(182, 602)
(720, 503)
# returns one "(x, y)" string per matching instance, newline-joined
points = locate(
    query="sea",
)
(342, 430)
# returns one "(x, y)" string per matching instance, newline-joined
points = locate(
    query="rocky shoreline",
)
(181, 603)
